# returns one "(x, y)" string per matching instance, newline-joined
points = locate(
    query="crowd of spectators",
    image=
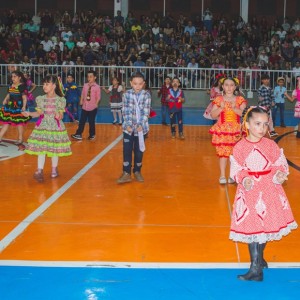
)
(89, 38)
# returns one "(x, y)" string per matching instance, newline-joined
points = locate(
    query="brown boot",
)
(138, 177)
(125, 177)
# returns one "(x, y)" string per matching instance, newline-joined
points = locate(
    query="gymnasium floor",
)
(82, 236)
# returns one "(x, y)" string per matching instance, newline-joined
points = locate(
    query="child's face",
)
(49, 87)
(229, 86)
(280, 82)
(167, 81)
(69, 79)
(137, 84)
(15, 79)
(91, 78)
(266, 82)
(175, 83)
(258, 126)
(115, 81)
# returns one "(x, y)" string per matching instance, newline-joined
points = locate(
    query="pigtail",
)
(60, 90)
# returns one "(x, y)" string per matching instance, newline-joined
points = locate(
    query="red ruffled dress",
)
(263, 213)
(227, 131)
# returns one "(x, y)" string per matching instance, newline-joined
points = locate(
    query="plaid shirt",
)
(267, 94)
(129, 113)
(164, 91)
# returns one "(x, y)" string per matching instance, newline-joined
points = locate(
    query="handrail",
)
(191, 78)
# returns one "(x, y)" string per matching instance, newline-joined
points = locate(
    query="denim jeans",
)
(281, 111)
(131, 145)
(173, 116)
(164, 113)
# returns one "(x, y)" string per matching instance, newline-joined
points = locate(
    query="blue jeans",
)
(164, 113)
(173, 116)
(281, 111)
(131, 144)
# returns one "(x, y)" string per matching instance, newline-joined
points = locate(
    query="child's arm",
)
(24, 97)
(105, 90)
(33, 87)
(33, 114)
(5, 101)
(290, 98)
(216, 110)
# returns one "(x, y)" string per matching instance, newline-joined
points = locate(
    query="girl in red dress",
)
(228, 109)
(261, 211)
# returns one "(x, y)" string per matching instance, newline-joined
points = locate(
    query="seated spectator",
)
(190, 28)
(78, 34)
(281, 33)
(47, 44)
(81, 44)
(111, 44)
(262, 58)
(65, 34)
(296, 70)
(95, 46)
(119, 30)
(287, 51)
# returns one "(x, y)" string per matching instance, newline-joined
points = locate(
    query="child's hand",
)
(222, 104)
(281, 177)
(23, 108)
(5, 102)
(247, 183)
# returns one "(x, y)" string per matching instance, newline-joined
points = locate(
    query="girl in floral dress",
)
(227, 131)
(49, 137)
(261, 211)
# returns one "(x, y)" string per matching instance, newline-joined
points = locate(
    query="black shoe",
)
(76, 136)
(91, 137)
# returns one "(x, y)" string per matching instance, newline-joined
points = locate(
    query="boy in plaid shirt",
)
(136, 110)
(164, 92)
(266, 99)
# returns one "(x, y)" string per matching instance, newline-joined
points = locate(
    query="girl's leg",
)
(120, 117)
(223, 164)
(54, 161)
(3, 130)
(115, 116)
(39, 175)
(20, 132)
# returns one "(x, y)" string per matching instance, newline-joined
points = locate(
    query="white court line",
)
(43, 207)
(134, 265)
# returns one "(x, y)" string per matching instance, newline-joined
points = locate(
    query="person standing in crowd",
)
(279, 97)
(49, 136)
(163, 92)
(266, 99)
(261, 211)
(14, 104)
(116, 90)
(89, 100)
(72, 95)
(228, 109)
(296, 96)
(136, 111)
(175, 100)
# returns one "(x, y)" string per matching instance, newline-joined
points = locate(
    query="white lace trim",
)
(262, 237)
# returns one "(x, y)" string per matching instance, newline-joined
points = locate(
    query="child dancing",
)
(227, 131)
(49, 137)
(261, 211)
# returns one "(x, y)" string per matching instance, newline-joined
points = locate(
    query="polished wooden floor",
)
(179, 214)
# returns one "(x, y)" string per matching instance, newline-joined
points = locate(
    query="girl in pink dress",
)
(261, 210)
(296, 96)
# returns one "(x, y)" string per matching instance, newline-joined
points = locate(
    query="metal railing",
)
(191, 78)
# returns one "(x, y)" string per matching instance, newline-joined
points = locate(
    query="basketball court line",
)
(17, 231)
(138, 265)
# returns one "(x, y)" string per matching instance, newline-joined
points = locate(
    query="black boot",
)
(264, 263)
(298, 135)
(255, 272)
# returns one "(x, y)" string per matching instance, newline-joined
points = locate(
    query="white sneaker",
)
(222, 180)
(230, 180)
